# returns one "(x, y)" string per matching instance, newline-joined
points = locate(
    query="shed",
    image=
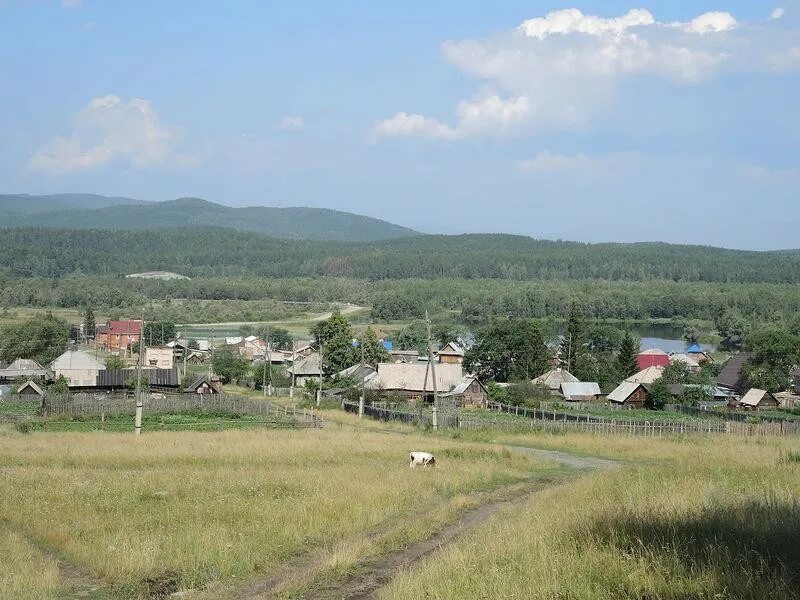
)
(122, 378)
(630, 394)
(470, 391)
(554, 378)
(756, 399)
(581, 391)
(451, 353)
(30, 389)
(653, 357)
(202, 386)
(25, 368)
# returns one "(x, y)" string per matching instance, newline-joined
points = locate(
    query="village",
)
(109, 363)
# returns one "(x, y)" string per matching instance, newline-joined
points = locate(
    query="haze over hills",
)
(87, 211)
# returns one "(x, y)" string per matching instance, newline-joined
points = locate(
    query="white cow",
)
(423, 459)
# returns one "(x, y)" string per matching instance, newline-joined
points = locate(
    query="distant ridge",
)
(89, 211)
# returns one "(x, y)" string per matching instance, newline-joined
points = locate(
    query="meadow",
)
(210, 511)
(700, 517)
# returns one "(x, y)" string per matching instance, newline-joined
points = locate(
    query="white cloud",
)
(777, 13)
(559, 71)
(291, 124)
(108, 129)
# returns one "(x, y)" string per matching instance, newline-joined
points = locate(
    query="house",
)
(118, 336)
(787, 399)
(196, 357)
(305, 368)
(630, 394)
(648, 375)
(553, 379)
(30, 390)
(202, 385)
(358, 373)
(160, 358)
(79, 368)
(684, 358)
(756, 399)
(696, 353)
(25, 368)
(404, 356)
(117, 379)
(715, 394)
(730, 376)
(470, 391)
(409, 379)
(580, 391)
(652, 358)
(451, 353)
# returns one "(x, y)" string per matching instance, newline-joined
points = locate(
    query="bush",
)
(23, 427)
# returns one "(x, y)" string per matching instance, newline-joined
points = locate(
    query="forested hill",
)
(119, 214)
(205, 252)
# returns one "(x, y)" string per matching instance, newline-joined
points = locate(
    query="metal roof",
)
(648, 375)
(754, 397)
(555, 377)
(580, 388)
(118, 378)
(410, 377)
(624, 391)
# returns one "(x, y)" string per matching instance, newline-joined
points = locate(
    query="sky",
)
(596, 121)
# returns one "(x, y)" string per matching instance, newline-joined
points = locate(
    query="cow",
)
(424, 459)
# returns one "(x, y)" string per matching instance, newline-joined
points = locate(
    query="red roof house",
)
(117, 336)
(652, 358)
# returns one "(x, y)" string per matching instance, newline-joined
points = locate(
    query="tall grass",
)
(191, 510)
(25, 572)
(694, 518)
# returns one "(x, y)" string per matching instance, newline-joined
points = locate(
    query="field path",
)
(380, 570)
(75, 582)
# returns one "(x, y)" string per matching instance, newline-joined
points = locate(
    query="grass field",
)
(689, 518)
(172, 511)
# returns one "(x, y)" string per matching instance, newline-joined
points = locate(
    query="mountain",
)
(19, 206)
(98, 212)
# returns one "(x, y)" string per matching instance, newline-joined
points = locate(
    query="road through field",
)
(372, 575)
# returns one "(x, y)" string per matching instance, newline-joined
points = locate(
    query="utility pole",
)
(210, 362)
(321, 363)
(294, 360)
(267, 360)
(431, 363)
(139, 402)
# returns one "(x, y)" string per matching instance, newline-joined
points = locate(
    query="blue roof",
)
(388, 344)
(694, 348)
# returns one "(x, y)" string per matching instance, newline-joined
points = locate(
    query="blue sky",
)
(593, 121)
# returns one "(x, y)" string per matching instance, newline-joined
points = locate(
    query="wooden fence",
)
(559, 421)
(111, 405)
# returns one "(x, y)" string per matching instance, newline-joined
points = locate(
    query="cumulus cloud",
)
(108, 129)
(291, 124)
(560, 70)
(777, 13)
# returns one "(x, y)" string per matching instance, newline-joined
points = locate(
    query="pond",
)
(665, 337)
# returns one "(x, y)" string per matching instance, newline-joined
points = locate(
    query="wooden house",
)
(731, 376)
(305, 368)
(648, 375)
(553, 379)
(756, 399)
(451, 353)
(630, 395)
(409, 379)
(30, 390)
(80, 369)
(470, 391)
(25, 368)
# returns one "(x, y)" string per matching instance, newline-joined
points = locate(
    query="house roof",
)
(25, 367)
(555, 377)
(684, 358)
(648, 375)
(580, 388)
(653, 351)
(624, 391)
(754, 397)
(198, 382)
(410, 377)
(132, 327)
(695, 349)
(730, 375)
(74, 360)
(30, 385)
(463, 385)
(357, 372)
(451, 349)
(310, 365)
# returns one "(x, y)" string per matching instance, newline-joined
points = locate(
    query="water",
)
(664, 337)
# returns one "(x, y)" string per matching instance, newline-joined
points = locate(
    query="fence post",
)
(435, 418)
(360, 407)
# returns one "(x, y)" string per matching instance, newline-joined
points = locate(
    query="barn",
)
(756, 399)
(630, 395)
